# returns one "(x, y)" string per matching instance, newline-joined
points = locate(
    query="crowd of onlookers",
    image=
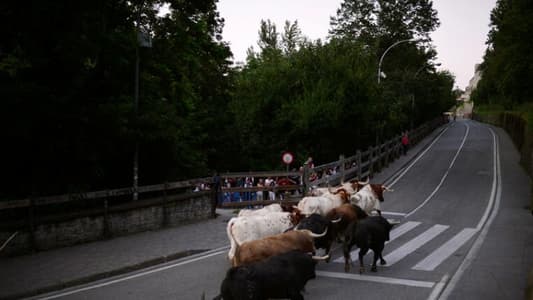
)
(271, 184)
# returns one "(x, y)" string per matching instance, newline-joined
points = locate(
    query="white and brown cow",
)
(369, 197)
(249, 228)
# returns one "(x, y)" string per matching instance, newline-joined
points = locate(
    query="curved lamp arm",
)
(387, 50)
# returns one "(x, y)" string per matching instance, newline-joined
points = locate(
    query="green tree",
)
(291, 37)
(372, 20)
(67, 77)
(508, 61)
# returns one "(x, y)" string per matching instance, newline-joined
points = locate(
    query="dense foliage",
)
(507, 67)
(67, 86)
(67, 83)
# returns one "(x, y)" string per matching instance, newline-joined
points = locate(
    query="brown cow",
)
(257, 250)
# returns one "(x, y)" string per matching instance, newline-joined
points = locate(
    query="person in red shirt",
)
(405, 143)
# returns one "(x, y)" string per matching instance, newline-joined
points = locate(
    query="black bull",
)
(280, 276)
(368, 233)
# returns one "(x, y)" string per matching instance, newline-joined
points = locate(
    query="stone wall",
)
(143, 215)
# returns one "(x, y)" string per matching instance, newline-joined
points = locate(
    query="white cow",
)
(262, 211)
(321, 204)
(249, 228)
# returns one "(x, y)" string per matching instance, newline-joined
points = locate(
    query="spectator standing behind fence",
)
(269, 182)
(215, 193)
(260, 184)
(405, 143)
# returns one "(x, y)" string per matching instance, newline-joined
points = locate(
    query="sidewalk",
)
(64, 267)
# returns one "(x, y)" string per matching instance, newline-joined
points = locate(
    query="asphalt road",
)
(446, 198)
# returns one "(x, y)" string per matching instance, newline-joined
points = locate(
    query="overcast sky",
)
(460, 40)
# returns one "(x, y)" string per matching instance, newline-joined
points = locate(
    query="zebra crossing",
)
(428, 233)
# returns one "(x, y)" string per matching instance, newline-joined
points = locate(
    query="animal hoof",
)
(374, 269)
(383, 262)
(361, 270)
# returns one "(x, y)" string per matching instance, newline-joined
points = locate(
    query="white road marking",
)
(416, 160)
(444, 176)
(439, 287)
(136, 275)
(414, 244)
(379, 279)
(393, 213)
(402, 229)
(443, 252)
(495, 198)
(395, 233)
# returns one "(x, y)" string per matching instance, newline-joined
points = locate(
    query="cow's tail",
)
(235, 244)
(232, 240)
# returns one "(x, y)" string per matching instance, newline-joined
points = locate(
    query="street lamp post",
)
(387, 50)
(141, 40)
(379, 72)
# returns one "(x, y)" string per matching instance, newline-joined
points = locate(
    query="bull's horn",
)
(325, 257)
(329, 190)
(314, 235)
(296, 227)
(393, 221)
(366, 182)
(8, 240)
(337, 220)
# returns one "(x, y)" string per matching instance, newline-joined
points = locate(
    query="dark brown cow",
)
(343, 215)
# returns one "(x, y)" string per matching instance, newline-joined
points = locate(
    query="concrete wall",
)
(144, 215)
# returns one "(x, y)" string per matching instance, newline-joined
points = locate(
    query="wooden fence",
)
(358, 166)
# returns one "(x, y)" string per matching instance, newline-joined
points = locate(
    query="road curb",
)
(107, 274)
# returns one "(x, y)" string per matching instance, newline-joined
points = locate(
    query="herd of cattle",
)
(273, 249)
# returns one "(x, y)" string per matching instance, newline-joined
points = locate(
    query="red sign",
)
(287, 158)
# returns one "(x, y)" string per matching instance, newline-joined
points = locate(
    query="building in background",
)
(465, 97)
